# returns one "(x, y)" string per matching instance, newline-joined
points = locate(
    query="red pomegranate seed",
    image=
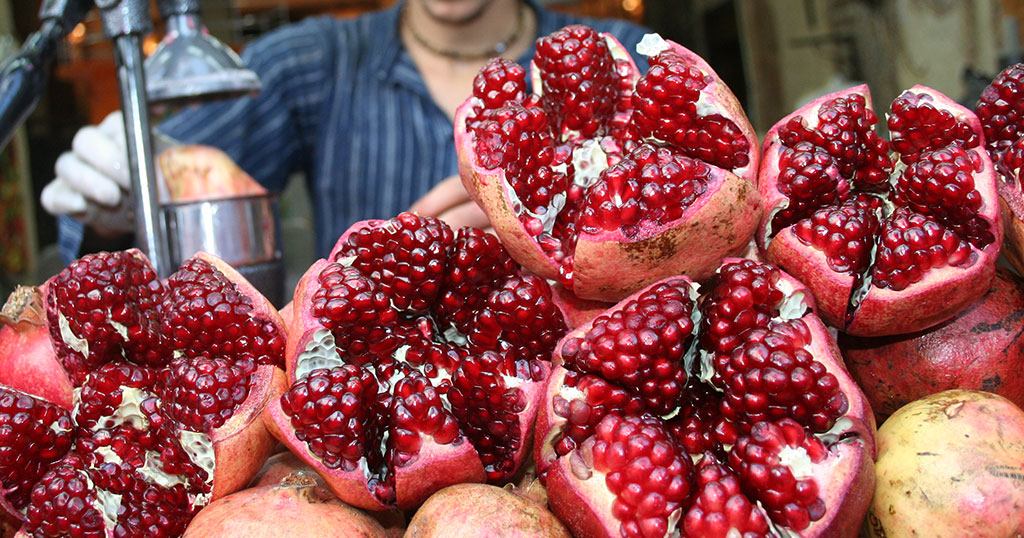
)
(910, 244)
(721, 510)
(1002, 121)
(334, 412)
(846, 131)
(203, 393)
(845, 233)
(63, 503)
(476, 263)
(652, 184)
(346, 299)
(488, 408)
(522, 316)
(499, 83)
(918, 127)
(772, 376)
(406, 258)
(666, 109)
(600, 398)
(941, 184)
(578, 75)
(640, 345)
(700, 425)
(33, 435)
(204, 314)
(108, 302)
(809, 177)
(741, 297)
(789, 499)
(647, 471)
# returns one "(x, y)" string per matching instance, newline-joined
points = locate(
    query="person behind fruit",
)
(362, 106)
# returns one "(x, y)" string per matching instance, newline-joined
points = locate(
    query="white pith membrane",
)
(198, 446)
(794, 305)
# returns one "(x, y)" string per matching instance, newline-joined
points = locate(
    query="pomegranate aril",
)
(63, 503)
(347, 298)
(33, 435)
(641, 345)
(809, 177)
(941, 185)
(720, 509)
(741, 297)
(203, 393)
(666, 109)
(1002, 121)
(500, 82)
(578, 75)
(406, 256)
(334, 413)
(650, 475)
(918, 127)
(488, 409)
(651, 185)
(845, 233)
(909, 245)
(204, 314)
(846, 131)
(417, 412)
(772, 376)
(477, 262)
(600, 398)
(108, 304)
(520, 316)
(789, 499)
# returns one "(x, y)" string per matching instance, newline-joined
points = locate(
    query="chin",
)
(455, 11)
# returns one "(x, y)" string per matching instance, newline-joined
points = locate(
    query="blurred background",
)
(774, 54)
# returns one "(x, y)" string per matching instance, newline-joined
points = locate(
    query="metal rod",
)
(150, 233)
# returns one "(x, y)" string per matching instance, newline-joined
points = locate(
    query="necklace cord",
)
(497, 49)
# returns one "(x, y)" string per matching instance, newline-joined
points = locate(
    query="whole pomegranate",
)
(197, 172)
(1001, 111)
(28, 361)
(605, 180)
(949, 465)
(891, 236)
(170, 379)
(472, 510)
(416, 358)
(713, 410)
(296, 506)
(979, 349)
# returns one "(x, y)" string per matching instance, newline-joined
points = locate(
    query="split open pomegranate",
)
(605, 180)
(170, 379)
(714, 410)
(416, 358)
(891, 236)
(1001, 111)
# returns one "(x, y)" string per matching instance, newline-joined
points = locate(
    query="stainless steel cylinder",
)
(239, 230)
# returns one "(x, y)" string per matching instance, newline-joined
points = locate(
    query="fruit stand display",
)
(677, 329)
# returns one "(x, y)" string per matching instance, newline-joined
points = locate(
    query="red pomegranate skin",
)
(980, 349)
(297, 506)
(478, 510)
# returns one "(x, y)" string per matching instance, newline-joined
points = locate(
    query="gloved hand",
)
(92, 180)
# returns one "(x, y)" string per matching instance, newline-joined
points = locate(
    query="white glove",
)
(93, 181)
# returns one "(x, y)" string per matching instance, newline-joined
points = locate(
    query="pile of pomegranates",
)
(605, 365)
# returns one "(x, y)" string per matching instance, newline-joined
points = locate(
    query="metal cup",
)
(242, 231)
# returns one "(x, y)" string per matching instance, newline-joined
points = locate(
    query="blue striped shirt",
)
(342, 102)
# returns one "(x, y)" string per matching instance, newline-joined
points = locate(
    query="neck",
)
(468, 31)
